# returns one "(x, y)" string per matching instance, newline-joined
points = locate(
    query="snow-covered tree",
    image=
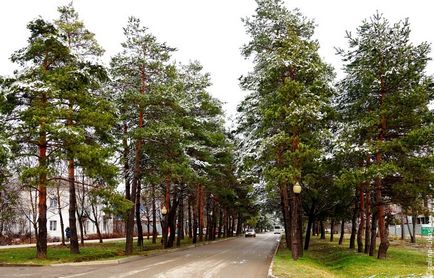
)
(138, 71)
(384, 99)
(86, 111)
(292, 86)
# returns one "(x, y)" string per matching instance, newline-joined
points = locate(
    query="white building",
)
(57, 206)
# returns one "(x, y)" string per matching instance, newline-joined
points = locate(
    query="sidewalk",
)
(59, 243)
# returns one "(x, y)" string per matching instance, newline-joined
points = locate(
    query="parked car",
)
(277, 229)
(250, 233)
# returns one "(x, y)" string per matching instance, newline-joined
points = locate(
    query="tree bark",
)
(168, 207)
(201, 211)
(354, 225)
(284, 198)
(373, 234)
(59, 210)
(368, 221)
(402, 227)
(154, 217)
(180, 221)
(295, 229)
(41, 240)
(332, 229)
(140, 240)
(190, 223)
(73, 246)
(384, 241)
(362, 219)
(322, 229)
(220, 224)
(412, 229)
(341, 238)
(311, 219)
(80, 225)
(195, 219)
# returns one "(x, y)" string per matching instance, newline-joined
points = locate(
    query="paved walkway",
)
(59, 243)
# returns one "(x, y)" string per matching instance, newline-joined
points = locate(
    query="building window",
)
(53, 202)
(53, 225)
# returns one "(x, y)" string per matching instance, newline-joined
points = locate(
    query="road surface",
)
(240, 257)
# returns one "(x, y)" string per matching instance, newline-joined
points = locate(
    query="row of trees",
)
(145, 117)
(355, 146)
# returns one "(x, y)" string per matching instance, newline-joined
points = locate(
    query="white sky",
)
(209, 31)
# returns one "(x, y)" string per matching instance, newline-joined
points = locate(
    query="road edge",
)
(270, 269)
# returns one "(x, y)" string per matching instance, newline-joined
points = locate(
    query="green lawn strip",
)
(328, 259)
(88, 252)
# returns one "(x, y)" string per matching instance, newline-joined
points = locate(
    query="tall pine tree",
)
(385, 97)
(293, 90)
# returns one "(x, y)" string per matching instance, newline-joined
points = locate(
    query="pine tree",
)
(141, 65)
(87, 113)
(32, 109)
(384, 98)
(292, 85)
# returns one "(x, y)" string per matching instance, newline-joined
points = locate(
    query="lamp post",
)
(164, 213)
(296, 222)
(296, 188)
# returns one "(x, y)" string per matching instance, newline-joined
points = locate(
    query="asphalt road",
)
(240, 257)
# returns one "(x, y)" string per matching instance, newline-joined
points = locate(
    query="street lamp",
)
(164, 213)
(296, 188)
(164, 210)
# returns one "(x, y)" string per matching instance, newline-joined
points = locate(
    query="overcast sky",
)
(209, 31)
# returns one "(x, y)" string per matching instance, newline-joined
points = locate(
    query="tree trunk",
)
(195, 220)
(341, 238)
(154, 217)
(368, 221)
(402, 227)
(190, 223)
(220, 224)
(148, 226)
(140, 239)
(284, 199)
(59, 210)
(226, 224)
(332, 229)
(322, 229)
(384, 241)
(295, 227)
(314, 225)
(412, 229)
(311, 219)
(73, 246)
(233, 225)
(80, 225)
(126, 164)
(180, 221)
(172, 223)
(41, 240)
(201, 211)
(373, 234)
(137, 173)
(354, 226)
(362, 219)
(95, 221)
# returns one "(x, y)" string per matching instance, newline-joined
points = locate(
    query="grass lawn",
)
(88, 252)
(328, 259)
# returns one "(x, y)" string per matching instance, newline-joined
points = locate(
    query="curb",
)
(137, 257)
(270, 269)
(20, 265)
